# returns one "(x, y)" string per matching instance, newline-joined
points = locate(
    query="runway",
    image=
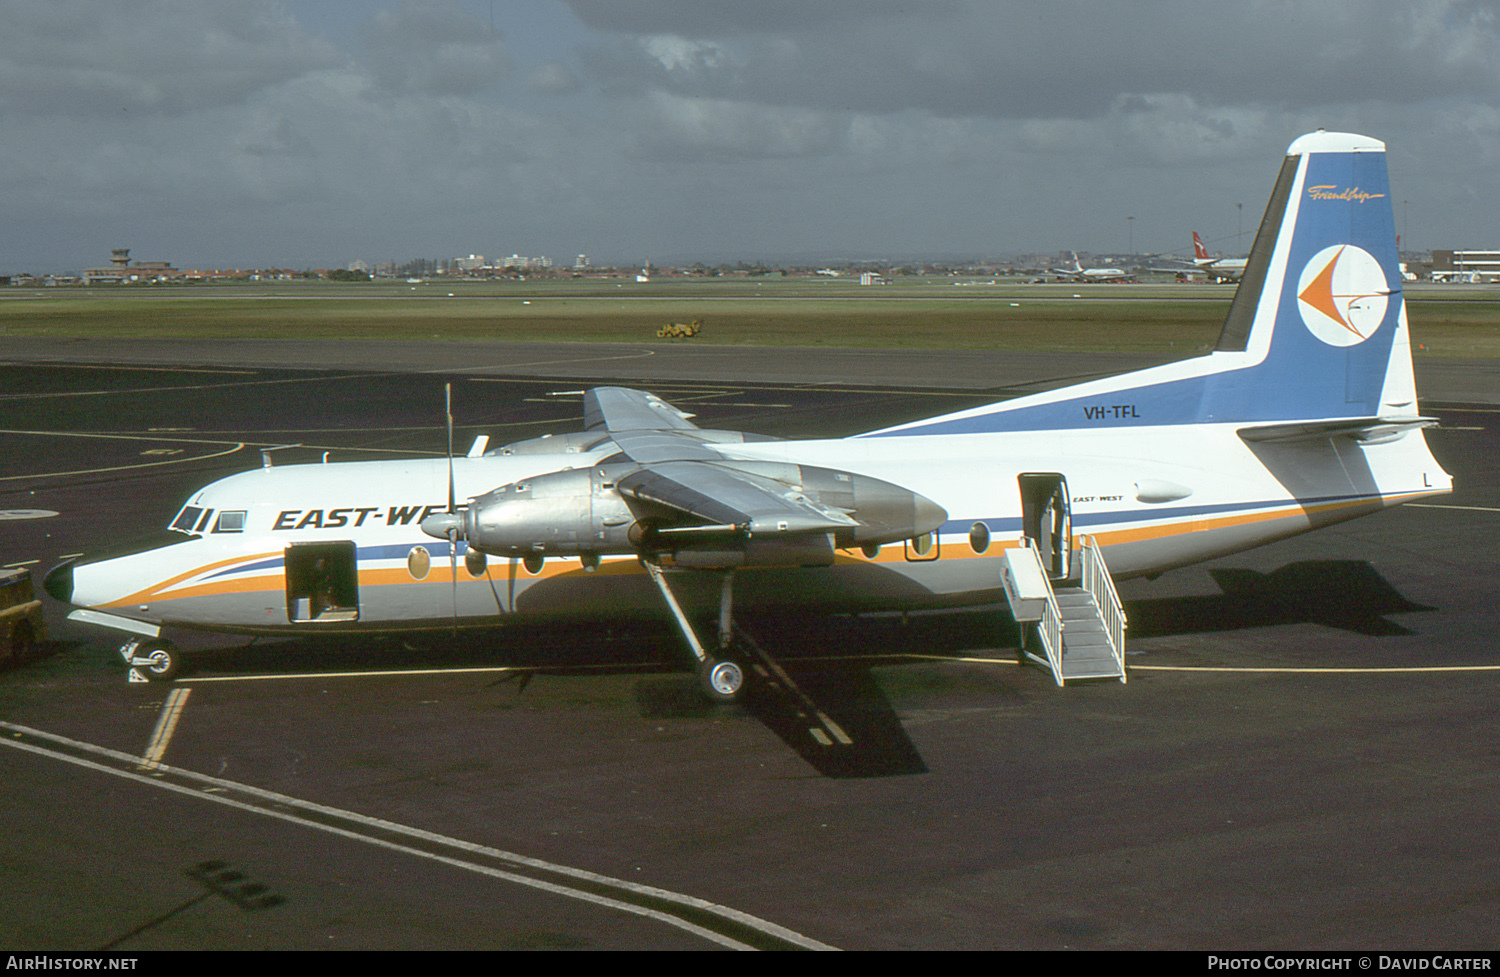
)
(1304, 756)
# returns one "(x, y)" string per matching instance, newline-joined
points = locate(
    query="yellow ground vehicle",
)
(21, 626)
(679, 330)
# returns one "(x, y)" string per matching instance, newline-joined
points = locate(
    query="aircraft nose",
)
(59, 582)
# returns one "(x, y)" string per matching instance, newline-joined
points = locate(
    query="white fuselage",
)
(1153, 499)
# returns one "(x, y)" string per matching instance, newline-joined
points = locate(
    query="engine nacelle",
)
(573, 511)
(582, 511)
(886, 513)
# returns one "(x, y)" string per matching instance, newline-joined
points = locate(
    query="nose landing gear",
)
(152, 660)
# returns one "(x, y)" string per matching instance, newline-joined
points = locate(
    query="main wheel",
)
(722, 681)
(159, 661)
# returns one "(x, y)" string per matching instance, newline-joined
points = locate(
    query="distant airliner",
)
(1220, 269)
(1078, 273)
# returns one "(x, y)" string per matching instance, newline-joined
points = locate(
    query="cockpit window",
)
(230, 522)
(187, 519)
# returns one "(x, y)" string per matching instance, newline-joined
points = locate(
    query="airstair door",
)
(1047, 520)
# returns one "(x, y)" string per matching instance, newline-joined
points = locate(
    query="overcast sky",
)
(255, 133)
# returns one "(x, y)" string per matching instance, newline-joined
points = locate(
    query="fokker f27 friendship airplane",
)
(1305, 414)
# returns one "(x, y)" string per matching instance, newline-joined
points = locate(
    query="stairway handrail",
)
(1097, 581)
(1049, 628)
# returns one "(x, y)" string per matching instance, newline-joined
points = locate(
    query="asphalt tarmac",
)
(1304, 755)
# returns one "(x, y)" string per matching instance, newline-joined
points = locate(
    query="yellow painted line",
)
(1392, 670)
(113, 368)
(165, 727)
(119, 468)
(1277, 670)
(794, 388)
(373, 673)
(1466, 508)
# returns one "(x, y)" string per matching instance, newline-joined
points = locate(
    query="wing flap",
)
(723, 497)
(1366, 430)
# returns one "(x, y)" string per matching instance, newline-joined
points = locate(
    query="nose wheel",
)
(154, 661)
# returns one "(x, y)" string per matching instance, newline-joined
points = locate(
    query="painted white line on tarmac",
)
(670, 908)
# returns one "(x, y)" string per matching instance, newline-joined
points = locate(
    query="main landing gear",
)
(720, 676)
(721, 679)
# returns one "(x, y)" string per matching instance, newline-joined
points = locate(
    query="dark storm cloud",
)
(252, 131)
(1062, 59)
(76, 58)
(434, 47)
(728, 17)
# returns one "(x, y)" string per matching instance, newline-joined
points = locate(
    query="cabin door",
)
(1047, 520)
(322, 582)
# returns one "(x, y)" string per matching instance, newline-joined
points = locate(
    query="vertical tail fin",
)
(1200, 253)
(1319, 312)
(1316, 330)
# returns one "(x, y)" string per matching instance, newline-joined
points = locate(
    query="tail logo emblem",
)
(1342, 295)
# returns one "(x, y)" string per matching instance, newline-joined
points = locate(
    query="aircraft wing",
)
(732, 498)
(647, 429)
(694, 488)
(622, 409)
(682, 471)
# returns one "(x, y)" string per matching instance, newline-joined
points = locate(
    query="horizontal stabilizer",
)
(1368, 430)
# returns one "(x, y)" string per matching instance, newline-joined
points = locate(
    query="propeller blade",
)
(450, 526)
(452, 493)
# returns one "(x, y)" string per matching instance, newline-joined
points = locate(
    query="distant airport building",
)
(122, 271)
(1466, 266)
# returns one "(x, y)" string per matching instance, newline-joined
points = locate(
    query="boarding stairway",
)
(1077, 628)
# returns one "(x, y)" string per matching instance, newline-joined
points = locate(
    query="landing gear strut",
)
(721, 678)
(154, 659)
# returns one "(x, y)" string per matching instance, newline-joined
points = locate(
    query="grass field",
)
(917, 313)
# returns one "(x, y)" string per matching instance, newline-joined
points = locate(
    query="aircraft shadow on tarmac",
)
(812, 680)
(851, 730)
(1345, 594)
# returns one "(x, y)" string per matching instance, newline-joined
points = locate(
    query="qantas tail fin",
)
(1200, 253)
(1316, 332)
